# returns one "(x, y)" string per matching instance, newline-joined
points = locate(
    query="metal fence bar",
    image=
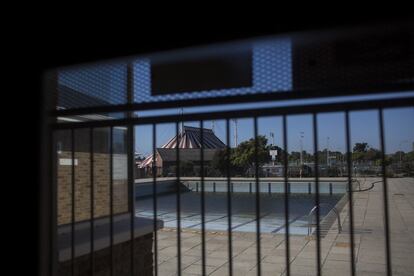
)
(178, 200)
(53, 166)
(131, 183)
(286, 196)
(48, 233)
(350, 193)
(131, 158)
(111, 196)
(385, 194)
(256, 161)
(203, 203)
(72, 135)
(263, 112)
(229, 207)
(259, 97)
(154, 195)
(317, 200)
(92, 201)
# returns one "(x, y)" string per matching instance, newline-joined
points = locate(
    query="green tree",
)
(294, 156)
(410, 156)
(245, 154)
(360, 147)
(359, 151)
(387, 161)
(219, 161)
(372, 154)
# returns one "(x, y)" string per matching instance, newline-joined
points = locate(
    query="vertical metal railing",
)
(92, 203)
(154, 195)
(54, 244)
(203, 203)
(48, 236)
(131, 159)
(111, 199)
(350, 189)
(286, 195)
(256, 165)
(317, 200)
(178, 199)
(229, 205)
(72, 135)
(385, 194)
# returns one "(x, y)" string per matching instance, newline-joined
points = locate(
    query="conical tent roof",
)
(190, 138)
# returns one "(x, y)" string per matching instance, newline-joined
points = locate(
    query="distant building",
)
(190, 160)
(270, 170)
(189, 144)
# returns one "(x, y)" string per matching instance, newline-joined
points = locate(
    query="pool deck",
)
(335, 248)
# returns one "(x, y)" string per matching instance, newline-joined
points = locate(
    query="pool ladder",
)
(313, 210)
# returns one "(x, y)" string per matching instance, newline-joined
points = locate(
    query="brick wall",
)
(83, 186)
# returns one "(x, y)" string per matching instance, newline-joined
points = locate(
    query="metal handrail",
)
(335, 211)
(366, 189)
(357, 181)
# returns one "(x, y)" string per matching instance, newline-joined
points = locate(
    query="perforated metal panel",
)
(361, 60)
(271, 72)
(294, 67)
(93, 85)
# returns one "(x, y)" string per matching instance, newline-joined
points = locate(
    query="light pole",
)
(301, 150)
(339, 159)
(301, 147)
(235, 133)
(272, 135)
(182, 122)
(327, 151)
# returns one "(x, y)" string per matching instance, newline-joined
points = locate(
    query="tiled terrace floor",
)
(335, 248)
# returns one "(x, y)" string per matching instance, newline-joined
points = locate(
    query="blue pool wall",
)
(145, 188)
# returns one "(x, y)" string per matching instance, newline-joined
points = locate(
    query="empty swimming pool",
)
(243, 210)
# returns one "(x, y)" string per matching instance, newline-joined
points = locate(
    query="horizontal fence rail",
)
(249, 113)
(231, 100)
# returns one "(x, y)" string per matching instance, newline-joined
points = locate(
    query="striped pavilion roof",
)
(190, 138)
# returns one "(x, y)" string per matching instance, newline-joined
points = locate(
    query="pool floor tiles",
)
(219, 222)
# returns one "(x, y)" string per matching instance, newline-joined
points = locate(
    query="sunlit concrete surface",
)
(369, 238)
